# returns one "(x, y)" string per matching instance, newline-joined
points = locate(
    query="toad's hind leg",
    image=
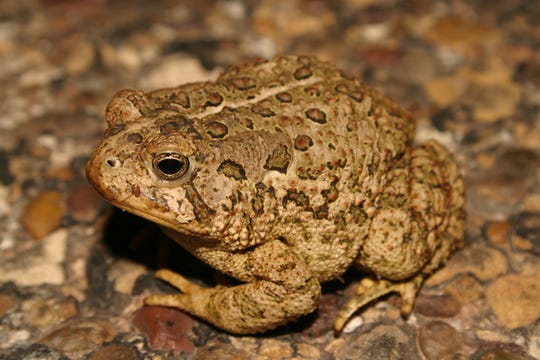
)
(418, 222)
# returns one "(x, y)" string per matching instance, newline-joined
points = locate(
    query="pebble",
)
(496, 194)
(84, 203)
(47, 313)
(529, 73)
(444, 90)
(6, 304)
(532, 202)
(460, 34)
(307, 351)
(386, 342)
(80, 337)
(36, 352)
(465, 289)
(526, 232)
(444, 305)
(484, 262)
(115, 352)
(514, 299)
(40, 265)
(440, 341)
(497, 232)
(166, 328)
(218, 349)
(43, 214)
(124, 274)
(501, 352)
(487, 89)
(81, 57)
(173, 70)
(275, 349)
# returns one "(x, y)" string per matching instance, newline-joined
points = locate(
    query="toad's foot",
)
(370, 289)
(174, 300)
(179, 282)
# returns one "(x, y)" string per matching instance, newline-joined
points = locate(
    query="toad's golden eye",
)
(170, 166)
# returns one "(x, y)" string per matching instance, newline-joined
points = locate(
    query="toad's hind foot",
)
(181, 301)
(370, 289)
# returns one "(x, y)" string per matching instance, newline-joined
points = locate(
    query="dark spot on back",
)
(316, 115)
(113, 130)
(182, 99)
(303, 73)
(135, 138)
(232, 170)
(279, 159)
(243, 83)
(262, 111)
(312, 91)
(216, 129)
(284, 97)
(169, 127)
(213, 99)
(303, 142)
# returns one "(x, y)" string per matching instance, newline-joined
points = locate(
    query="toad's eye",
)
(170, 166)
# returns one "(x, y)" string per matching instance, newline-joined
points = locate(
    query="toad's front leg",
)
(279, 289)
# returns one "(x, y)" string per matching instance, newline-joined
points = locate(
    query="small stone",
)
(84, 203)
(173, 70)
(166, 328)
(445, 90)
(6, 303)
(382, 342)
(46, 313)
(497, 232)
(527, 232)
(484, 262)
(217, 349)
(529, 73)
(532, 202)
(492, 93)
(437, 305)
(116, 352)
(439, 341)
(81, 57)
(124, 274)
(492, 103)
(501, 351)
(43, 214)
(275, 349)
(514, 299)
(496, 193)
(460, 34)
(306, 351)
(465, 289)
(80, 337)
(62, 173)
(6, 177)
(44, 266)
(36, 352)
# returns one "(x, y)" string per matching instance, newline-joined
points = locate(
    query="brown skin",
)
(282, 174)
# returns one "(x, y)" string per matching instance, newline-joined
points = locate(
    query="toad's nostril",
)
(113, 162)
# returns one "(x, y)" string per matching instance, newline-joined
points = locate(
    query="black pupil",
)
(171, 166)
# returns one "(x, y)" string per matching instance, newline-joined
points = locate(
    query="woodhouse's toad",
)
(282, 174)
